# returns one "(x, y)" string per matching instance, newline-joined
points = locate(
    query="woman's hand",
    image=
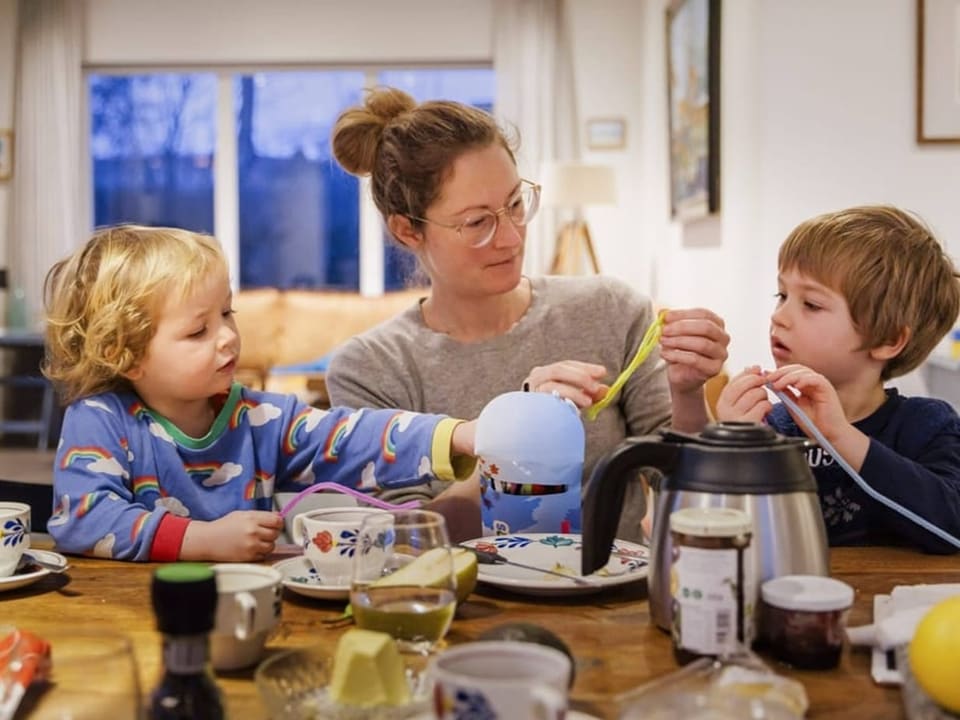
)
(577, 381)
(745, 398)
(239, 536)
(694, 346)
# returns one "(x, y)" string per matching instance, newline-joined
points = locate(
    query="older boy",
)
(864, 295)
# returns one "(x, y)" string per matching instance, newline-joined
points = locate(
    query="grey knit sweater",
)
(402, 363)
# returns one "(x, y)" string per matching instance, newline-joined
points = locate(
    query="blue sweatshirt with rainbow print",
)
(127, 482)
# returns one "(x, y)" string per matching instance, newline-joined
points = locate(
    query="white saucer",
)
(301, 578)
(31, 573)
(559, 553)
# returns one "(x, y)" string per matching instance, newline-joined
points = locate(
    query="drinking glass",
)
(403, 579)
(91, 676)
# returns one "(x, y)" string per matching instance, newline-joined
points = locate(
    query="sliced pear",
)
(429, 570)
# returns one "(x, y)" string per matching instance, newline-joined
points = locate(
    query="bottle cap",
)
(184, 598)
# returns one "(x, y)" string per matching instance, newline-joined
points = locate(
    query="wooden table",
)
(610, 633)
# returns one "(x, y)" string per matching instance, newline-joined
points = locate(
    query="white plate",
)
(32, 573)
(560, 553)
(301, 578)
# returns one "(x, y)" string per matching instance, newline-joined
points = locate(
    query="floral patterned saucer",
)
(558, 553)
(301, 578)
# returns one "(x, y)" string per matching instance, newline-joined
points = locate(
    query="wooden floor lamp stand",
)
(573, 245)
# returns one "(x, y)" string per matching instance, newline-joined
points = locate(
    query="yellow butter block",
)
(368, 671)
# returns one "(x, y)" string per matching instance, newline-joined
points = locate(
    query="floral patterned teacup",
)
(14, 535)
(328, 537)
(500, 680)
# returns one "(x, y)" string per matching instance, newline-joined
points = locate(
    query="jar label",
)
(704, 588)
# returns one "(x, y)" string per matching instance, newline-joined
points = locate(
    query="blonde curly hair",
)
(102, 302)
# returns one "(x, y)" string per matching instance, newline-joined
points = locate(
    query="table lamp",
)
(575, 186)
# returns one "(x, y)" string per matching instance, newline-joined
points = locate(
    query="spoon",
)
(492, 557)
(29, 558)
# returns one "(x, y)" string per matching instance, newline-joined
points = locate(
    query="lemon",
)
(935, 653)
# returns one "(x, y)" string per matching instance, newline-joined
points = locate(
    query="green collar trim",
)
(216, 430)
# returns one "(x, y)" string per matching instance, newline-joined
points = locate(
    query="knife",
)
(492, 557)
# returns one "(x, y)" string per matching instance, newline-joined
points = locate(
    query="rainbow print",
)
(138, 410)
(240, 412)
(290, 439)
(87, 502)
(93, 454)
(386, 442)
(137, 526)
(254, 487)
(201, 471)
(145, 484)
(331, 448)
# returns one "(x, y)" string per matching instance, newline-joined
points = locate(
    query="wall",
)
(817, 113)
(286, 31)
(818, 103)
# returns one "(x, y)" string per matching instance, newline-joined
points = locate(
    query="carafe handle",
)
(603, 501)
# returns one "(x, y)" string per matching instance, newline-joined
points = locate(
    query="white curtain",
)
(49, 217)
(533, 60)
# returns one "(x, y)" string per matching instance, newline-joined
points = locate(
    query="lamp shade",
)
(577, 185)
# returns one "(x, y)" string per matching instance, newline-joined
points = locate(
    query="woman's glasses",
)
(479, 228)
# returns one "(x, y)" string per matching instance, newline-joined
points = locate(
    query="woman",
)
(445, 180)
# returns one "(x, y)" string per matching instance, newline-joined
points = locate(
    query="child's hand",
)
(818, 399)
(240, 536)
(744, 397)
(577, 381)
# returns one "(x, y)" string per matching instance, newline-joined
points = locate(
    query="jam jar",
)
(712, 589)
(802, 619)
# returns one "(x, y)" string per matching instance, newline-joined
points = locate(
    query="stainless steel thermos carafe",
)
(737, 465)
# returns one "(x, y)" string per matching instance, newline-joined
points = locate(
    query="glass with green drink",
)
(403, 578)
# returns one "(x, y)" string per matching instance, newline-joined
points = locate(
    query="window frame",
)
(226, 179)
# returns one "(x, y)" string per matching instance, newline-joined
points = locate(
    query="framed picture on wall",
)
(6, 154)
(693, 101)
(938, 71)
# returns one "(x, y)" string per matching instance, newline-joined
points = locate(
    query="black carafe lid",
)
(743, 459)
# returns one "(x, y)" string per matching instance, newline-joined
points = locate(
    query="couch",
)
(289, 334)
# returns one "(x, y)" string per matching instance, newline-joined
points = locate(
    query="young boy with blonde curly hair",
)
(163, 456)
(864, 295)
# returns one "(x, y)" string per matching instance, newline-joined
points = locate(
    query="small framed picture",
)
(606, 133)
(6, 154)
(938, 71)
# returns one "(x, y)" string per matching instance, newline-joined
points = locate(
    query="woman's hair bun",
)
(358, 130)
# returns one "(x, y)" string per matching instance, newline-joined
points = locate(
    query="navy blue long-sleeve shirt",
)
(914, 459)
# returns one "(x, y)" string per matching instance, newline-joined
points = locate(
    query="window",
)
(154, 146)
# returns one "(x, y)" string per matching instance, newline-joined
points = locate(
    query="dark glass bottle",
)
(185, 603)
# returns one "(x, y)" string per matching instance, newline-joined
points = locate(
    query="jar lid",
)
(711, 521)
(807, 592)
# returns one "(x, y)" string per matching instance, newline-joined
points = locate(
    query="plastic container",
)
(802, 619)
(713, 591)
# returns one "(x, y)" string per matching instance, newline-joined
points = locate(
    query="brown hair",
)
(103, 301)
(407, 149)
(891, 270)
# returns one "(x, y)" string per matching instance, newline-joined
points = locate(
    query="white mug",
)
(14, 535)
(500, 680)
(328, 537)
(248, 610)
